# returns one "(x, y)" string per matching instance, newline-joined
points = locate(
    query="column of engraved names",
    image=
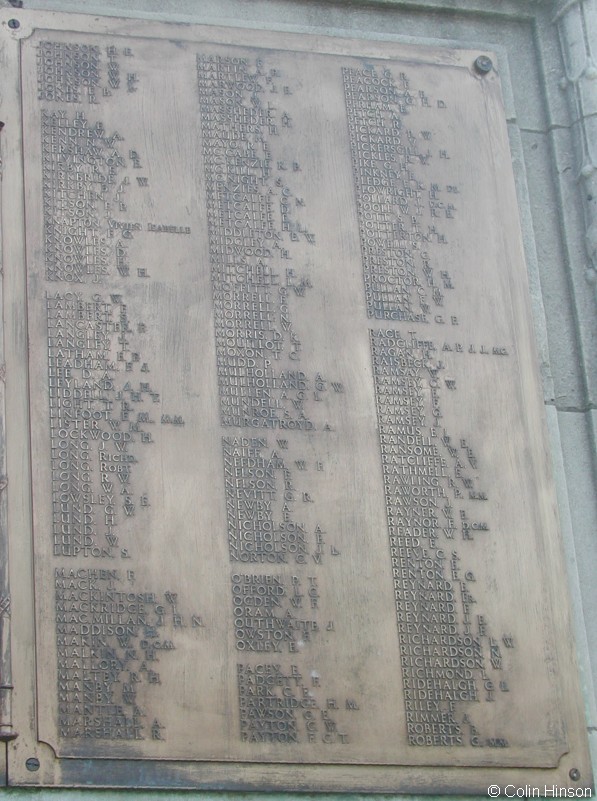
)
(253, 235)
(275, 612)
(394, 199)
(83, 192)
(75, 72)
(251, 231)
(269, 609)
(102, 402)
(260, 496)
(99, 419)
(78, 350)
(110, 640)
(280, 705)
(68, 72)
(447, 654)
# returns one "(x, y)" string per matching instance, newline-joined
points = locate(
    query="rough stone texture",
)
(576, 24)
(582, 293)
(554, 280)
(577, 521)
(524, 176)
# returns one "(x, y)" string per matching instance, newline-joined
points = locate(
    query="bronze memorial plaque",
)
(279, 510)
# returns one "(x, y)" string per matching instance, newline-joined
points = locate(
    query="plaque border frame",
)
(16, 534)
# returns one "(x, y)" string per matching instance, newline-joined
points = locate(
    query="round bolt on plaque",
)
(483, 65)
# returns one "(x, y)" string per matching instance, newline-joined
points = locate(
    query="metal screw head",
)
(14, 24)
(574, 774)
(483, 65)
(32, 763)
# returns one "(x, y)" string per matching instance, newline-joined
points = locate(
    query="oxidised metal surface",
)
(291, 511)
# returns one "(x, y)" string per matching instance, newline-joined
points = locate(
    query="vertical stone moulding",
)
(7, 731)
(577, 30)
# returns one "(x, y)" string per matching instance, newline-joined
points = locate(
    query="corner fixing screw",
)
(32, 763)
(483, 65)
(574, 774)
(14, 24)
